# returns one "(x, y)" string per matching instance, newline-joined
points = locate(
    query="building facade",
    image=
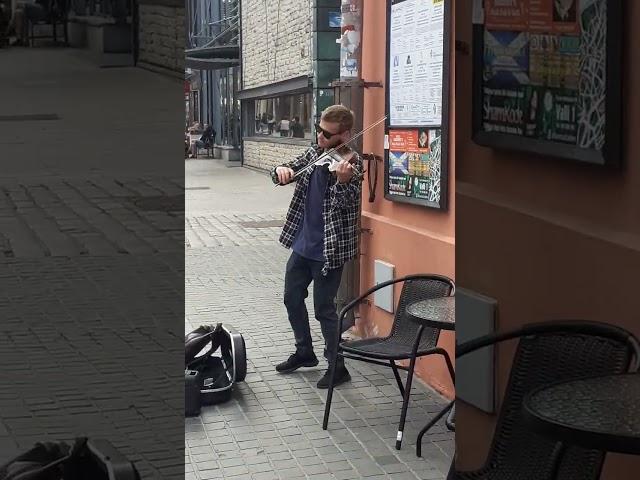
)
(407, 238)
(289, 58)
(290, 61)
(161, 34)
(546, 238)
(213, 70)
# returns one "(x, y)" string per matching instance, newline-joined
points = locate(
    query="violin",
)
(333, 156)
(333, 159)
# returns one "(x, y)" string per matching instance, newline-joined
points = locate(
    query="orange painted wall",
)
(547, 238)
(415, 239)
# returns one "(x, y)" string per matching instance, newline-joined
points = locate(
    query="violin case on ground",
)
(95, 459)
(209, 378)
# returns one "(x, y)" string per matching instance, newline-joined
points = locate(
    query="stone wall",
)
(162, 33)
(276, 41)
(266, 155)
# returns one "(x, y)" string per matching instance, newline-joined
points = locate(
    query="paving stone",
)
(240, 282)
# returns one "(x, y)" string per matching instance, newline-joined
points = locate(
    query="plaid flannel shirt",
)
(341, 209)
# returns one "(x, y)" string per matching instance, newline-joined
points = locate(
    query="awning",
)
(213, 58)
(295, 85)
(211, 63)
(218, 51)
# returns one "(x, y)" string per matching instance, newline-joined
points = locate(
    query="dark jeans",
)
(206, 144)
(300, 272)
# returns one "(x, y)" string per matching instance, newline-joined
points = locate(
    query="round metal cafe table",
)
(435, 313)
(601, 413)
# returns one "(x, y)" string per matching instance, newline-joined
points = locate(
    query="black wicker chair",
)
(407, 340)
(449, 423)
(547, 353)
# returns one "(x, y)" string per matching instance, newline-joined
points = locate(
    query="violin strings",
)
(335, 149)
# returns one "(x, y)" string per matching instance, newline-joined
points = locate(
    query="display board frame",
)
(439, 201)
(609, 136)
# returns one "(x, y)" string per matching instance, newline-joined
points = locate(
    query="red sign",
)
(537, 16)
(506, 14)
(409, 141)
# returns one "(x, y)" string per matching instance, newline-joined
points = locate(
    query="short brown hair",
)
(339, 114)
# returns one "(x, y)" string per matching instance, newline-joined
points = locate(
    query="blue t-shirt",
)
(309, 241)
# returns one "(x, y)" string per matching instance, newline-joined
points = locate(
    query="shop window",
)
(287, 116)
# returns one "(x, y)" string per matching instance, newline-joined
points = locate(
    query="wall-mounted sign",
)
(547, 78)
(417, 102)
(335, 17)
(414, 164)
(416, 53)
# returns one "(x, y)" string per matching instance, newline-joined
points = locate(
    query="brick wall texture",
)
(276, 40)
(266, 155)
(162, 35)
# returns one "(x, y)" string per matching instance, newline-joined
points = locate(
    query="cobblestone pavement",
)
(90, 216)
(91, 258)
(91, 275)
(271, 428)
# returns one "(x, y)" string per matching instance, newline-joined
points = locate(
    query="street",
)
(91, 273)
(91, 258)
(272, 427)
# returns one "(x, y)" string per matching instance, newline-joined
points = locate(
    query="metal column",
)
(349, 91)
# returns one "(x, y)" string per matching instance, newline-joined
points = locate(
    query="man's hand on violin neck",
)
(284, 174)
(344, 171)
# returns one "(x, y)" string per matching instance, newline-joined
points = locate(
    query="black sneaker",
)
(342, 375)
(296, 361)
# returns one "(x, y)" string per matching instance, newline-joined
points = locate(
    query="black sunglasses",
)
(326, 134)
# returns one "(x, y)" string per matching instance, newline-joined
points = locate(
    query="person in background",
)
(195, 128)
(207, 140)
(264, 122)
(271, 123)
(296, 128)
(284, 127)
(208, 137)
(27, 11)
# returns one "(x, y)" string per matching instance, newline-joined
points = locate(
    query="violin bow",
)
(335, 149)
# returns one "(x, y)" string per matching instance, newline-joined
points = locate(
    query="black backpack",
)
(86, 459)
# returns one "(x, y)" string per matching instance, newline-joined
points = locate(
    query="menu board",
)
(546, 79)
(417, 79)
(416, 59)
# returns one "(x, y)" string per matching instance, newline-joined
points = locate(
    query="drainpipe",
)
(349, 91)
(349, 85)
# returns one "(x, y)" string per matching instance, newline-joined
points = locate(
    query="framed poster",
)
(416, 154)
(547, 78)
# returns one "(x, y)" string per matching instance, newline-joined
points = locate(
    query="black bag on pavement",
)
(86, 459)
(209, 379)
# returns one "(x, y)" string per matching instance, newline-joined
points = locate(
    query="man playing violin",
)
(321, 230)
